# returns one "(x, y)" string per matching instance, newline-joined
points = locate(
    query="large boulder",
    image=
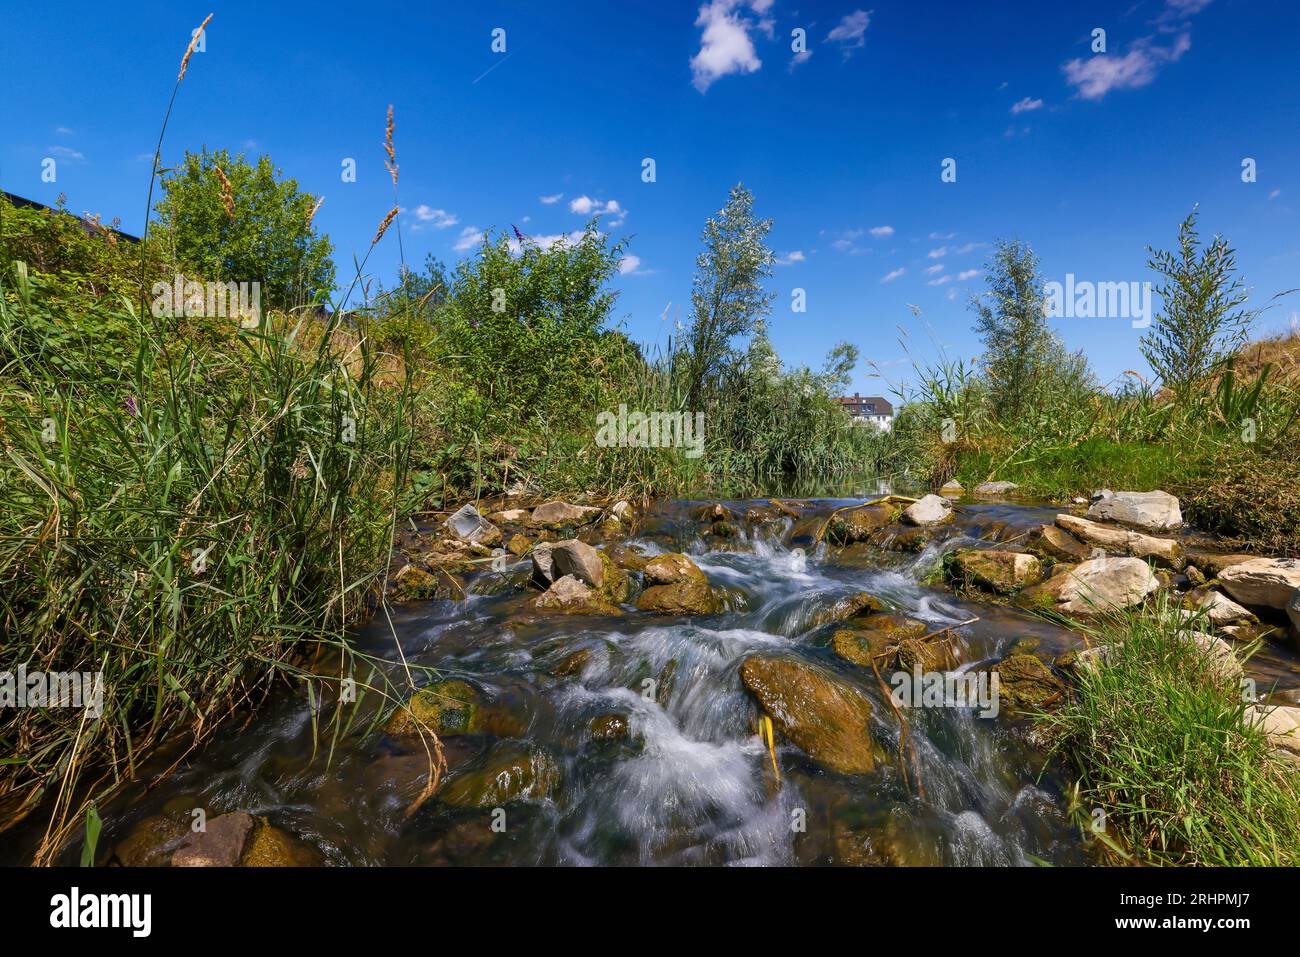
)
(993, 570)
(824, 716)
(467, 525)
(1122, 540)
(994, 489)
(572, 557)
(558, 515)
(1154, 511)
(928, 510)
(271, 847)
(1269, 582)
(1097, 586)
(676, 586)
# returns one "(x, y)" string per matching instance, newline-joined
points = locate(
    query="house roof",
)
(22, 202)
(856, 403)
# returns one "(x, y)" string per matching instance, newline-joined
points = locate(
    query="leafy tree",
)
(523, 319)
(229, 221)
(1021, 351)
(727, 298)
(1201, 322)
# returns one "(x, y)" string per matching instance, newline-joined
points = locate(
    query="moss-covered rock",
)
(676, 586)
(863, 648)
(992, 570)
(268, 846)
(859, 524)
(857, 605)
(413, 583)
(1024, 681)
(609, 727)
(825, 716)
(511, 771)
(934, 655)
(451, 707)
(152, 841)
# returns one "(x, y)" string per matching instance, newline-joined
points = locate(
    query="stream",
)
(644, 749)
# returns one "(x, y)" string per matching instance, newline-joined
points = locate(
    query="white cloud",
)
(725, 45)
(628, 265)
(790, 258)
(940, 281)
(1025, 105)
(798, 58)
(1275, 194)
(586, 206)
(552, 199)
(942, 235)
(967, 274)
(1096, 76)
(891, 276)
(65, 152)
(938, 253)
(63, 131)
(850, 32)
(931, 270)
(470, 237)
(437, 218)
(881, 231)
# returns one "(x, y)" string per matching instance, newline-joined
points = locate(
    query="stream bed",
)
(630, 739)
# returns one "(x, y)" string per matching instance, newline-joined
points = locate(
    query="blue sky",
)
(1087, 156)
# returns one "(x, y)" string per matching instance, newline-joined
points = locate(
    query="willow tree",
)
(727, 297)
(1201, 321)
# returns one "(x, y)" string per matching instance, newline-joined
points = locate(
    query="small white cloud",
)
(1275, 194)
(882, 231)
(470, 237)
(938, 253)
(799, 58)
(65, 152)
(63, 131)
(931, 270)
(790, 258)
(552, 199)
(967, 274)
(942, 235)
(629, 264)
(850, 32)
(940, 281)
(586, 206)
(891, 276)
(437, 218)
(1026, 105)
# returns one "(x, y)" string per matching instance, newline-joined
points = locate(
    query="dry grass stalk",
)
(227, 193)
(383, 227)
(189, 50)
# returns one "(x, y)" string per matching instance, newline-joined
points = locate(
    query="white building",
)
(869, 408)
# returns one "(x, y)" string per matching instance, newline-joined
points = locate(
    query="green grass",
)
(184, 522)
(1158, 742)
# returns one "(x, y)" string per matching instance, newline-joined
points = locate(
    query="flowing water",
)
(691, 782)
